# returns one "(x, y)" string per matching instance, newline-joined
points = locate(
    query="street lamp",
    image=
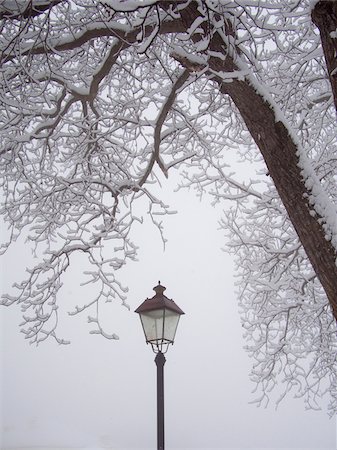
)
(159, 317)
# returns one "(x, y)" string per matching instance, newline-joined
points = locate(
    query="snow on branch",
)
(25, 9)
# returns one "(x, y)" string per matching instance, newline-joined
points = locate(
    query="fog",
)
(98, 393)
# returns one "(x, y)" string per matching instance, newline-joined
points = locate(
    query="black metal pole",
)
(160, 361)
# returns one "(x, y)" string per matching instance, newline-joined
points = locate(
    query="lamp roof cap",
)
(159, 301)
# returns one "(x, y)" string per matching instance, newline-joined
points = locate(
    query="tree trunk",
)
(324, 16)
(280, 154)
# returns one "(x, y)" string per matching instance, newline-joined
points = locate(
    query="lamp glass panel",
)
(152, 322)
(170, 324)
(160, 324)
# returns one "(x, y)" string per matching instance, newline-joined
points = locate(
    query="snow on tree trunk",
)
(281, 157)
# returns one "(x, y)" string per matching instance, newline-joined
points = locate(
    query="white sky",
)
(97, 393)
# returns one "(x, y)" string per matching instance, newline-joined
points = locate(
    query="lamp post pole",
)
(159, 317)
(160, 361)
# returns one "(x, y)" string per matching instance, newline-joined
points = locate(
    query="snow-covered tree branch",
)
(96, 94)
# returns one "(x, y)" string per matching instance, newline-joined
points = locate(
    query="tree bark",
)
(324, 16)
(280, 155)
